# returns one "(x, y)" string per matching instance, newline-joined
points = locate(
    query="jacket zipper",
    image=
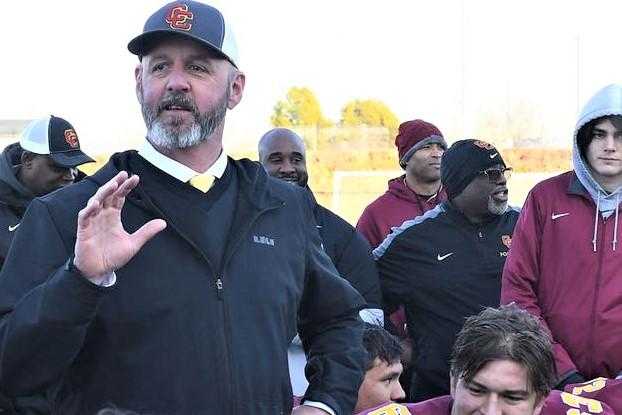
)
(220, 292)
(219, 296)
(601, 253)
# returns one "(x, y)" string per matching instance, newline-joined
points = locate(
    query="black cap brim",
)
(143, 43)
(72, 158)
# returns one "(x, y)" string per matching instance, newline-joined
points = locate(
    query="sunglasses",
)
(494, 174)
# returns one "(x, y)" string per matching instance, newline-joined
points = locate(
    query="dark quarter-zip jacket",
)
(185, 329)
(442, 268)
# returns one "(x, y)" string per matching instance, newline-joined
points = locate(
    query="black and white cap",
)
(57, 138)
(191, 19)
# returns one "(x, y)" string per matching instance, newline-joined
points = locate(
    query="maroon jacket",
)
(564, 270)
(557, 403)
(398, 204)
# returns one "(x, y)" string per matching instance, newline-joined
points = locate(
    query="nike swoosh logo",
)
(442, 257)
(559, 215)
(492, 156)
(12, 228)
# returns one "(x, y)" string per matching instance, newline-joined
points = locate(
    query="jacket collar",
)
(252, 178)
(576, 188)
(178, 170)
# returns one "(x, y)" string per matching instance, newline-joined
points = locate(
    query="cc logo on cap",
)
(483, 144)
(180, 18)
(71, 138)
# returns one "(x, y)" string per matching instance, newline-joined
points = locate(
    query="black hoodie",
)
(14, 197)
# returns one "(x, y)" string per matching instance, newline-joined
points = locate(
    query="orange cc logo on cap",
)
(507, 240)
(180, 18)
(71, 138)
(483, 144)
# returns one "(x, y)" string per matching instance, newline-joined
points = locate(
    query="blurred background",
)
(343, 74)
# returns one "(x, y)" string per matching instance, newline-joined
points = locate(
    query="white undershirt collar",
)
(180, 171)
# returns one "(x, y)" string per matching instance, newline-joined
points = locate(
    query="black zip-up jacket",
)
(173, 335)
(442, 268)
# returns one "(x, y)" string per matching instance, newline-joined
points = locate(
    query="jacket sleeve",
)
(396, 279)
(331, 331)
(357, 265)
(522, 271)
(368, 227)
(45, 307)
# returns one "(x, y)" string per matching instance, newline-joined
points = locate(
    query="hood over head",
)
(12, 191)
(607, 101)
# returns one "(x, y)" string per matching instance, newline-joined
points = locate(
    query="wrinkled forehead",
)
(503, 376)
(382, 366)
(284, 144)
(172, 44)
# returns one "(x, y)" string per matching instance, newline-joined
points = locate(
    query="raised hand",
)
(102, 245)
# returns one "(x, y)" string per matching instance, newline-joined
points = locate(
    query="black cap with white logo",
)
(57, 138)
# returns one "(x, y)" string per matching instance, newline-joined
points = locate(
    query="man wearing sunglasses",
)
(446, 265)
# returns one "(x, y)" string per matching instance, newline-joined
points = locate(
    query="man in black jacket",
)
(178, 294)
(282, 153)
(446, 265)
(45, 159)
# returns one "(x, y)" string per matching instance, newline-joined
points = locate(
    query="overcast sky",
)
(443, 60)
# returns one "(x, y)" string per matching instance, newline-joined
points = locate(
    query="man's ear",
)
(236, 89)
(138, 76)
(26, 159)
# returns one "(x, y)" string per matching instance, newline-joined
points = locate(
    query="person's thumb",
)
(147, 231)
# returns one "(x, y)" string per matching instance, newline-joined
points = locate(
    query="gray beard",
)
(496, 208)
(173, 136)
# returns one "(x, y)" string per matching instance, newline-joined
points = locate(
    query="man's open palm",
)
(102, 245)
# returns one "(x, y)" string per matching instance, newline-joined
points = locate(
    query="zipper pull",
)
(219, 288)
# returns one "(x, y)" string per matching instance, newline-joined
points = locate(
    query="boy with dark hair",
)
(564, 265)
(381, 382)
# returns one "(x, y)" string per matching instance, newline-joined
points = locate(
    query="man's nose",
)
(492, 406)
(502, 179)
(287, 167)
(397, 393)
(437, 152)
(610, 142)
(177, 81)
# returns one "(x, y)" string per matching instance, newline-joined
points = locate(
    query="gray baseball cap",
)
(190, 19)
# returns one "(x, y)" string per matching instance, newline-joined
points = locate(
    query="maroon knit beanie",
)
(415, 134)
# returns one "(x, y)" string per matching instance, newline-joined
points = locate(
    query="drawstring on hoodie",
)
(596, 221)
(614, 243)
(615, 226)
